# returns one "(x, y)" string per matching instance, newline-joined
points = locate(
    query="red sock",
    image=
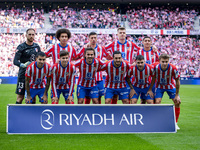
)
(177, 112)
(87, 100)
(56, 103)
(114, 101)
(71, 103)
(53, 103)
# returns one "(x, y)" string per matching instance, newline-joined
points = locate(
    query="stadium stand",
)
(20, 18)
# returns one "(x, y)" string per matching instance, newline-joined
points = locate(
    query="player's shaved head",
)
(29, 30)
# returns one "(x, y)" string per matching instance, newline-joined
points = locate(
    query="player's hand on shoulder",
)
(155, 49)
(87, 45)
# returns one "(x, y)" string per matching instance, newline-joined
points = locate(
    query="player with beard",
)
(115, 80)
(142, 73)
(25, 54)
(88, 67)
(99, 53)
(37, 79)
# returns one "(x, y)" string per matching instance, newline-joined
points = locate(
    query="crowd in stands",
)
(69, 18)
(138, 18)
(22, 18)
(161, 18)
(184, 51)
(8, 45)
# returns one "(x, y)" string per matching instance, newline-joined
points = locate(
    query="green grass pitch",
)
(188, 138)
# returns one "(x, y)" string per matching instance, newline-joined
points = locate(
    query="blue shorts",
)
(142, 93)
(170, 92)
(65, 93)
(35, 92)
(92, 92)
(100, 87)
(123, 93)
(153, 90)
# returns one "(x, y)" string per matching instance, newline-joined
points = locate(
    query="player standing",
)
(25, 54)
(115, 81)
(126, 48)
(63, 35)
(99, 53)
(165, 74)
(150, 56)
(36, 83)
(63, 79)
(88, 67)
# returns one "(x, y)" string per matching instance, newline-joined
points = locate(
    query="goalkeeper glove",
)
(27, 63)
(24, 65)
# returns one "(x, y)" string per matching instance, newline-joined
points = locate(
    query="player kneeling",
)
(63, 79)
(35, 79)
(165, 73)
(142, 73)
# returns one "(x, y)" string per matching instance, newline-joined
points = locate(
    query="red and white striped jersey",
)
(149, 56)
(54, 51)
(37, 75)
(165, 79)
(88, 71)
(116, 75)
(63, 77)
(142, 78)
(100, 52)
(127, 49)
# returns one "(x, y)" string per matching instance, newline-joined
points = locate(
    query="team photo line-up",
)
(147, 74)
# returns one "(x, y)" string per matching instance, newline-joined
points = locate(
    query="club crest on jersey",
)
(146, 76)
(168, 76)
(89, 75)
(36, 49)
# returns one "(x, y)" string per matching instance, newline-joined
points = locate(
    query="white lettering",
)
(124, 118)
(131, 119)
(77, 119)
(140, 119)
(94, 118)
(65, 120)
(112, 119)
(86, 118)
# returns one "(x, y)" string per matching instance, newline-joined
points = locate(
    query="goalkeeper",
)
(25, 54)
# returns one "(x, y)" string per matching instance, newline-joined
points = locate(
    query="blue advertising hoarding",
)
(78, 119)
